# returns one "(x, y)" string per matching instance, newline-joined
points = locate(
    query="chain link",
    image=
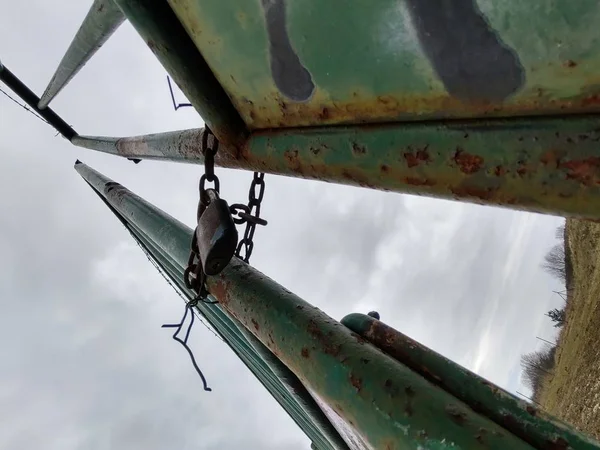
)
(251, 215)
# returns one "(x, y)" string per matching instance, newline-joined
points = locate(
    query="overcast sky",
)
(84, 362)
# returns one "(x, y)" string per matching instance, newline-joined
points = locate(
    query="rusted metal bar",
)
(547, 165)
(281, 383)
(27, 95)
(102, 20)
(524, 420)
(164, 34)
(387, 403)
(184, 145)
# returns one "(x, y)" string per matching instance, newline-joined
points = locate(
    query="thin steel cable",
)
(24, 106)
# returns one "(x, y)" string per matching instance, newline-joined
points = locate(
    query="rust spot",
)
(388, 383)
(499, 171)
(419, 181)
(479, 438)
(592, 100)
(522, 169)
(151, 45)
(101, 7)
(305, 353)
(328, 347)
(586, 171)
(408, 409)
(357, 149)
(356, 382)
(291, 156)
(457, 416)
(551, 158)
(315, 150)
(418, 157)
(531, 410)
(255, 325)
(570, 63)
(467, 162)
(385, 168)
(410, 392)
(363, 108)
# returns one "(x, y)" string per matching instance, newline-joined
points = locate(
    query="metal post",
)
(531, 424)
(526, 165)
(279, 381)
(102, 20)
(384, 401)
(19, 88)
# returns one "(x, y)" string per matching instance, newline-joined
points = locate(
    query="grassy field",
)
(573, 392)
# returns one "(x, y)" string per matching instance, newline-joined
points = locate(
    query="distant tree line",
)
(536, 365)
(539, 364)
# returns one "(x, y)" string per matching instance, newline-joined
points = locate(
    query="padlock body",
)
(217, 236)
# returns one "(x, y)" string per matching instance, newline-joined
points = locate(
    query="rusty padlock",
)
(216, 233)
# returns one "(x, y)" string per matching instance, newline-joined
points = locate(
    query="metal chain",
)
(249, 214)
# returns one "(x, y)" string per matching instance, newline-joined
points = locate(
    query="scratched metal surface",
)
(297, 63)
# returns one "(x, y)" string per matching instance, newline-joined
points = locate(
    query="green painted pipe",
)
(526, 421)
(547, 165)
(277, 379)
(388, 404)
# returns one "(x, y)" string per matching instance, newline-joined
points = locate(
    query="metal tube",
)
(529, 423)
(282, 384)
(293, 397)
(388, 404)
(184, 145)
(547, 165)
(19, 88)
(102, 20)
(163, 32)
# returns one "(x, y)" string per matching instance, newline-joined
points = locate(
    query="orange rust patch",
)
(592, 100)
(499, 171)
(586, 171)
(570, 63)
(356, 382)
(522, 169)
(328, 347)
(467, 162)
(305, 353)
(219, 291)
(413, 159)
